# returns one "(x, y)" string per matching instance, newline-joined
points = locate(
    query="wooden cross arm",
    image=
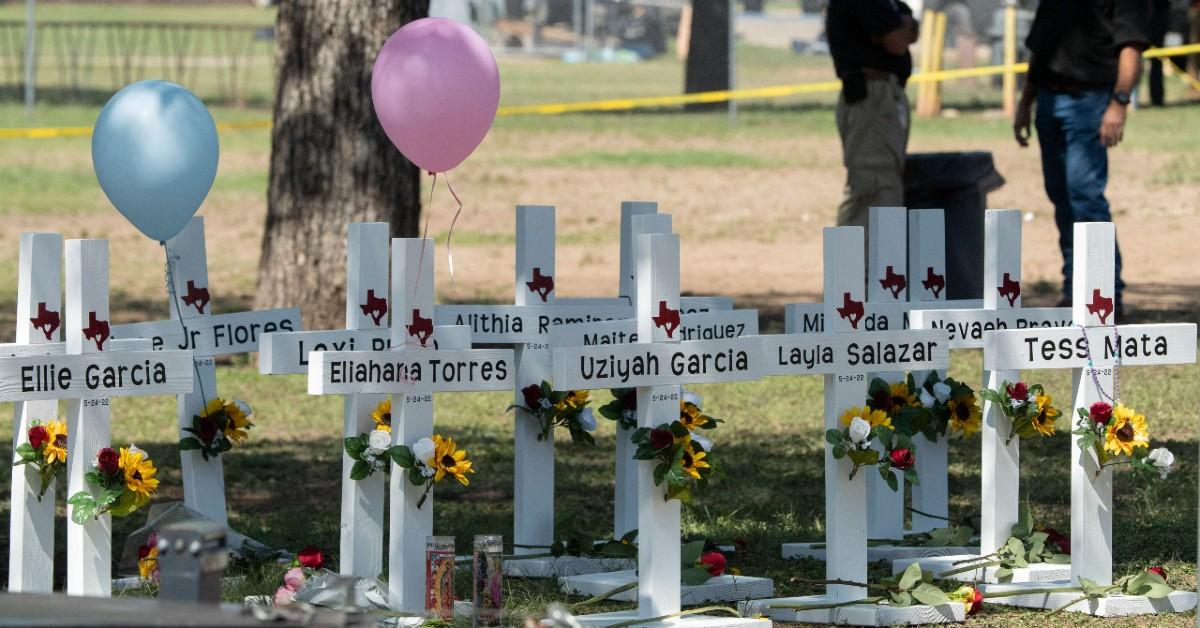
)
(416, 371)
(1138, 345)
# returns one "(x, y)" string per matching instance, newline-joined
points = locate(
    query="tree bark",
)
(331, 163)
(708, 51)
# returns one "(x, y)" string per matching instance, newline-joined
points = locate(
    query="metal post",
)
(30, 59)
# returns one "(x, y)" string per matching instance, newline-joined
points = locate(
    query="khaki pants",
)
(874, 135)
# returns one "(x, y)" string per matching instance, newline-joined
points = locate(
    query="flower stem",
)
(817, 607)
(976, 558)
(849, 583)
(604, 596)
(946, 519)
(425, 495)
(971, 567)
(691, 611)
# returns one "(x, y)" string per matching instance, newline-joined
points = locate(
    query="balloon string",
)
(450, 234)
(179, 315)
(424, 236)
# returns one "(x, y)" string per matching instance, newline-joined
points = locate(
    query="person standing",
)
(869, 42)
(1086, 58)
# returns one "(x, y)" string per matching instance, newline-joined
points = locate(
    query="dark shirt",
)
(1075, 43)
(854, 27)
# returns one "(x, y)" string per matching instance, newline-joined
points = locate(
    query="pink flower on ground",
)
(294, 578)
(283, 596)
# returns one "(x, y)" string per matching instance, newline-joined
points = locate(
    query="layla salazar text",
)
(649, 364)
(49, 377)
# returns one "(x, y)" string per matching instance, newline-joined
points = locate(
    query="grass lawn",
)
(749, 200)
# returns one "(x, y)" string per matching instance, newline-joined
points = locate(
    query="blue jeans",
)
(1074, 166)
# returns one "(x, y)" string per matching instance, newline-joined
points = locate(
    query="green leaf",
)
(690, 553)
(928, 594)
(833, 437)
(415, 477)
(26, 452)
(838, 452)
(94, 478)
(355, 446)
(910, 577)
(84, 507)
(402, 456)
(693, 576)
(660, 472)
(190, 443)
(361, 470)
(47, 474)
(910, 476)
(890, 478)
(901, 599)
(110, 496)
(863, 456)
(1004, 574)
(1059, 559)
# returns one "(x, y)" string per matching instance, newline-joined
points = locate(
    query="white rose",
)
(927, 399)
(587, 420)
(860, 431)
(544, 403)
(379, 440)
(941, 391)
(692, 398)
(703, 442)
(1163, 460)
(423, 450)
(428, 471)
(629, 415)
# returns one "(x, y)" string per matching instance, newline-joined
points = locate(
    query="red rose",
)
(208, 429)
(976, 603)
(1058, 538)
(311, 557)
(1018, 391)
(1162, 573)
(151, 542)
(108, 461)
(713, 563)
(661, 439)
(533, 396)
(1100, 412)
(902, 458)
(38, 436)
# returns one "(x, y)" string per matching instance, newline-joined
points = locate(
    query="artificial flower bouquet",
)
(148, 559)
(222, 423)
(555, 408)
(683, 456)
(934, 408)
(701, 561)
(121, 483)
(46, 450)
(622, 409)
(1119, 435)
(430, 461)
(303, 566)
(1028, 407)
(862, 427)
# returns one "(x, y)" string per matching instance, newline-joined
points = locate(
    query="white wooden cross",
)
(718, 325)
(526, 325)
(656, 365)
(1110, 347)
(87, 371)
(1000, 501)
(846, 356)
(208, 335)
(411, 372)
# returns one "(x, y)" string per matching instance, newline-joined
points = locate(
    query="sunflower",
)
(965, 415)
(148, 564)
(238, 423)
(1044, 420)
(902, 396)
(1126, 431)
(139, 472)
(690, 416)
(56, 442)
(693, 461)
(383, 415)
(450, 461)
(874, 417)
(573, 400)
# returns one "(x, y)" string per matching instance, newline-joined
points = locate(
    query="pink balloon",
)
(435, 87)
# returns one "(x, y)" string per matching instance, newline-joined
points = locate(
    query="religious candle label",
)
(694, 362)
(804, 354)
(967, 327)
(1068, 348)
(361, 372)
(95, 375)
(702, 326)
(221, 334)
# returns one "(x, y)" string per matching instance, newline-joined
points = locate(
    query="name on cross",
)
(971, 324)
(656, 364)
(1068, 347)
(95, 375)
(799, 354)
(223, 333)
(521, 323)
(399, 371)
(700, 326)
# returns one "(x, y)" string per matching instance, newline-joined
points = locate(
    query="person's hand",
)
(1022, 121)
(1112, 125)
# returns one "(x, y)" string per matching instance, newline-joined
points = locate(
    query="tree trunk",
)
(708, 51)
(331, 163)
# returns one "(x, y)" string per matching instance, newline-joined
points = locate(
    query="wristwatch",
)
(1122, 98)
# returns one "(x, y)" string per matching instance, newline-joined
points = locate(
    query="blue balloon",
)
(154, 150)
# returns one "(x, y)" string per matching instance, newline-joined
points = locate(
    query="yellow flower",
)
(690, 416)
(693, 460)
(902, 396)
(139, 472)
(383, 415)
(235, 428)
(874, 417)
(965, 415)
(1126, 431)
(573, 400)
(55, 449)
(447, 460)
(1047, 413)
(148, 563)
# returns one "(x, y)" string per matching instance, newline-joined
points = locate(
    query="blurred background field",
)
(749, 197)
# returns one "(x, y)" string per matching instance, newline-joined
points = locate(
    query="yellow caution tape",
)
(628, 104)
